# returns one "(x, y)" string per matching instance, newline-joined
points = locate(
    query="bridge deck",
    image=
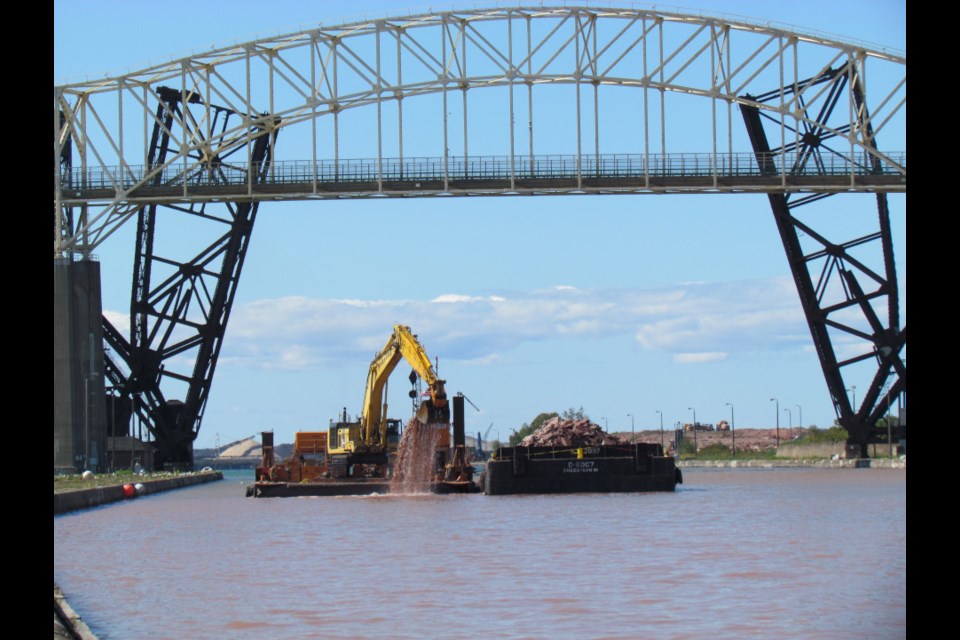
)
(292, 180)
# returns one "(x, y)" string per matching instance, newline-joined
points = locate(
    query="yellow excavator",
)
(370, 440)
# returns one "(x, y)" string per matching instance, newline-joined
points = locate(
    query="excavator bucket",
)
(423, 413)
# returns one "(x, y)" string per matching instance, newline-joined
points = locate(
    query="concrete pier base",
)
(79, 412)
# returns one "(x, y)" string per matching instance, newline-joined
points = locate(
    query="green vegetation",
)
(722, 452)
(574, 414)
(715, 452)
(73, 482)
(815, 435)
(687, 449)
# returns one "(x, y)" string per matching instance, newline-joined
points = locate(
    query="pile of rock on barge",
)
(576, 456)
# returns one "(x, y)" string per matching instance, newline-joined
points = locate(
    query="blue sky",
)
(619, 304)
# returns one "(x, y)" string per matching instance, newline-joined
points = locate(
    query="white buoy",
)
(87, 474)
(207, 469)
(139, 488)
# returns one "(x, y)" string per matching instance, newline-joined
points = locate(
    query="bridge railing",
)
(479, 169)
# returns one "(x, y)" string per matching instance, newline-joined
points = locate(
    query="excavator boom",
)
(360, 450)
(372, 435)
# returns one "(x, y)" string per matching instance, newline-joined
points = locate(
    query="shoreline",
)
(863, 463)
(66, 622)
(76, 499)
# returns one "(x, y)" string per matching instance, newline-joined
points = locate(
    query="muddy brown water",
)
(734, 553)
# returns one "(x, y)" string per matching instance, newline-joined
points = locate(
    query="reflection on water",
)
(733, 553)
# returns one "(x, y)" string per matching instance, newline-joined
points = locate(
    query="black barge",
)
(639, 467)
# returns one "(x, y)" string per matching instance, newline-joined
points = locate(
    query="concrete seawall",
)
(66, 622)
(67, 501)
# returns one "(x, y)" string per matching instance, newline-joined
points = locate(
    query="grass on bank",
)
(74, 481)
(723, 452)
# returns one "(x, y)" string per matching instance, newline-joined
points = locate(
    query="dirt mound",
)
(557, 432)
(247, 448)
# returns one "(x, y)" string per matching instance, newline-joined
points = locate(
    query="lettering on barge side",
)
(581, 466)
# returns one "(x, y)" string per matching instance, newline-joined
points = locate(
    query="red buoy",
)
(129, 491)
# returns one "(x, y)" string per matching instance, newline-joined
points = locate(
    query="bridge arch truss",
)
(505, 101)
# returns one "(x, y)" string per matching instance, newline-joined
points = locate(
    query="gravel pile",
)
(557, 432)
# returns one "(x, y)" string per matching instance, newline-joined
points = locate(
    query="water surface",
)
(771, 553)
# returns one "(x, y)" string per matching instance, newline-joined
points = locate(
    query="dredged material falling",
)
(413, 469)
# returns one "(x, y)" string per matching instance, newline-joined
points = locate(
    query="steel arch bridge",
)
(506, 101)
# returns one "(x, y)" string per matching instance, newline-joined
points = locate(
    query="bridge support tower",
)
(839, 291)
(79, 419)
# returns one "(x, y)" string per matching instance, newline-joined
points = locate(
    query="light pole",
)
(853, 390)
(86, 422)
(799, 418)
(133, 414)
(661, 428)
(889, 430)
(790, 414)
(778, 419)
(633, 431)
(696, 447)
(113, 428)
(606, 425)
(733, 430)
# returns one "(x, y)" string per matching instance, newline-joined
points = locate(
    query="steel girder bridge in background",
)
(580, 99)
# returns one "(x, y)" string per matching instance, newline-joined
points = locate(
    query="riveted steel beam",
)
(843, 272)
(180, 305)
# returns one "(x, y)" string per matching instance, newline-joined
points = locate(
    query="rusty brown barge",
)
(313, 469)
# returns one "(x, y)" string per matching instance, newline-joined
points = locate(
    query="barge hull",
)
(304, 489)
(545, 470)
(357, 487)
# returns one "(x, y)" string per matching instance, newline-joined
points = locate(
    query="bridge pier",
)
(79, 416)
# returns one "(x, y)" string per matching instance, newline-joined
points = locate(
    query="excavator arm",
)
(401, 344)
(356, 449)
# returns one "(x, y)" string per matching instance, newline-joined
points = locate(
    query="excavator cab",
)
(393, 434)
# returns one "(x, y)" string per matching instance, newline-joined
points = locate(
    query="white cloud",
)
(695, 321)
(452, 297)
(120, 321)
(696, 358)
(493, 358)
